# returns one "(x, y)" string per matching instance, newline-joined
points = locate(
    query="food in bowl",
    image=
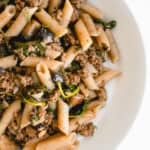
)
(52, 72)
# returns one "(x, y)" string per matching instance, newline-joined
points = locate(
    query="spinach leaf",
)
(107, 25)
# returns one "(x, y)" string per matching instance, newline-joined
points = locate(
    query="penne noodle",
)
(57, 142)
(69, 56)
(87, 117)
(66, 13)
(31, 28)
(88, 21)
(8, 115)
(8, 61)
(6, 143)
(51, 23)
(91, 69)
(31, 145)
(25, 120)
(53, 54)
(114, 51)
(53, 5)
(93, 11)
(95, 105)
(63, 117)
(83, 35)
(53, 65)
(102, 39)
(90, 82)
(107, 76)
(44, 75)
(7, 15)
(20, 22)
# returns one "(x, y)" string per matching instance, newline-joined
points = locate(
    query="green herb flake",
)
(35, 118)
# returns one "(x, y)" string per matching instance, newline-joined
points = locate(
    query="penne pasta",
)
(31, 28)
(52, 53)
(31, 145)
(69, 56)
(20, 22)
(93, 11)
(107, 76)
(102, 39)
(90, 82)
(57, 142)
(88, 21)
(44, 75)
(53, 65)
(6, 143)
(66, 13)
(51, 23)
(63, 117)
(53, 5)
(8, 115)
(87, 117)
(25, 120)
(44, 4)
(83, 35)
(7, 15)
(8, 61)
(114, 51)
(91, 69)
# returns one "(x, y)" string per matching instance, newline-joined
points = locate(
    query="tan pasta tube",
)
(25, 120)
(114, 51)
(69, 56)
(8, 115)
(20, 22)
(88, 21)
(87, 117)
(83, 35)
(31, 61)
(7, 15)
(107, 76)
(6, 143)
(90, 82)
(52, 53)
(53, 5)
(93, 11)
(102, 39)
(8, 61)
(51, 23)
(63, 117)
(66, 13)
(57, 142)
(31, 28)
(31, 144)
(44, 75)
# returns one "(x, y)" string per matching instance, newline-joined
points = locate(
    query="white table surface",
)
(138, 138)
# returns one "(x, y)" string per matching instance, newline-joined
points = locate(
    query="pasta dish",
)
(52, 72)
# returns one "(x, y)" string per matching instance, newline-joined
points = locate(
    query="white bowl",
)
(125, 93)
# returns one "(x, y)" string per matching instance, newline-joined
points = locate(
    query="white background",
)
(138, 137)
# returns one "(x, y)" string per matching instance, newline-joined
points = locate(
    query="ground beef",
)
(86, 129)
(72, 79)
(56, 46)
(25, 80)
(55, 96)
(20, 4)
(7, 82)
(94, 59)
(82, 58)
(37, 3)
(77, 3)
